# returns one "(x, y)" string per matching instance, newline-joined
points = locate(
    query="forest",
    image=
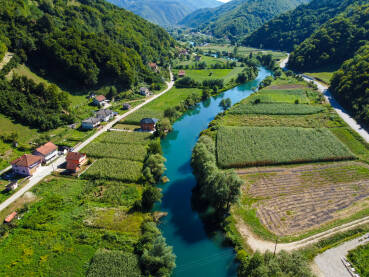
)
(288, 30)
(89, 42)
(333, 43)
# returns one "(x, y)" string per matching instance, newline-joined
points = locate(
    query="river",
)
(197, 254)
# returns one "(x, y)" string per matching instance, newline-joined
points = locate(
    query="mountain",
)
(334, 42)
(290, 29)
(238, 17)
(165, 12)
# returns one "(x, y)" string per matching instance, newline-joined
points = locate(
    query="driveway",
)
(47, 170)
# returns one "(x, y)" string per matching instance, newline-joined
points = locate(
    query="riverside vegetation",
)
(238, 138)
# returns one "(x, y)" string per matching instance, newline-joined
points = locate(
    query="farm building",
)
(90, 123)
(47, 152)
(154, 67)
(104, 115)
(75, 160)
(10, 217)
(148, 124)
(145, 91)
(26, 165)
(181, 73)
(126, 106)
(99, 100)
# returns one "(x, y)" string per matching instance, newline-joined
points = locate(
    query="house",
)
(90, 123)
(181, 73)
(145, 91)
(47, 152)
(99, 100)
(104, 115)
(10, 217)
(148, 124)
(75, 160)
(12, 186)
(126, 106)
(197, 58)
(154, 67)
(26, 165)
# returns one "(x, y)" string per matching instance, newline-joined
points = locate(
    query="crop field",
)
(360, 259)
(295, 200)
(113, 169)
(251, 146)
(275, 109)
(134, 152)
(279, 96)
(207, 74)
(126, 138)
(157, 107)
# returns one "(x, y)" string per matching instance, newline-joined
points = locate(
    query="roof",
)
(26, 160)
(10, 217)
(149, 121)
(144, 89)
(92, 120)
(153, 65)
(100, 98)
(104, 112)
(75, 156)
(181, 72)
(47, 148)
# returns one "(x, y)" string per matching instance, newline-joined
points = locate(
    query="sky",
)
(225, 1)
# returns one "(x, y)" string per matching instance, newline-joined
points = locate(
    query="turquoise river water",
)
(197, 254)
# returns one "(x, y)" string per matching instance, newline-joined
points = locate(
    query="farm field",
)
(360, 259)
(206, 74)
(276, 109)
(134, 152)
(126, 138)
(248, 146)
(293, 201)
(277, 96)
(157, 107)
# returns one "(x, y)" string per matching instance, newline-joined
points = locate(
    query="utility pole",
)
(275, 247)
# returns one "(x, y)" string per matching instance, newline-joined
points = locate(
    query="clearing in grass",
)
(251, 146)
(113, 169)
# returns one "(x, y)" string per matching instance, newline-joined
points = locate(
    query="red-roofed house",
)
(75, 160)
(154, 67)
(99, 100)
(181, 73)
(26, 165)
(47, 152)
(10, 217)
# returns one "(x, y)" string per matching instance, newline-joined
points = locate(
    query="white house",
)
(145, 91)
(104, 115)
(26, 165)
(90, 123)
(99, 100)
(47, 152)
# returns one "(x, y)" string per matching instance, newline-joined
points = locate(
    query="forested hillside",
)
(350, 84)
(290, 29)
(238, 17)
(90, 42)
(164, 12)
(334, 42)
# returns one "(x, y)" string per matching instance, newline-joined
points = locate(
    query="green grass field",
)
(360, 259)
(126, 138)
(207, 74)
(252, 146)
(157, 107)
(276, 109)
(324, 74)
(278, 96)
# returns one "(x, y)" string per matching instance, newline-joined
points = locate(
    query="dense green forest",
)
(90, 42)
(238, 17)
(165, 12)
(334, 42)
(290, 29)
(350, 84)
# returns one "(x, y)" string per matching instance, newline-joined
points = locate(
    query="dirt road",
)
(47, 170)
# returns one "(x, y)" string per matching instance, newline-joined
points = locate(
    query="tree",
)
(225, 103)
(205, 94)
(150, 196)
(154, 168)
(163, 127)
(155, 147)
(112, 93)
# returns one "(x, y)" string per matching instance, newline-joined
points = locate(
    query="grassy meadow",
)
(360, 259)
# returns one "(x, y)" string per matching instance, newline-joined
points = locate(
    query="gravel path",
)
(8, 56)
(47, 170)
(330, 263)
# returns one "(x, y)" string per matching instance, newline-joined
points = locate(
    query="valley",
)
(184, 138)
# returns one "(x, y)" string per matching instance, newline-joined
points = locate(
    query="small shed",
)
(181, 73)
(10, 217)
(126, 106)
(145, 91)
(148, 124)
(12, 186)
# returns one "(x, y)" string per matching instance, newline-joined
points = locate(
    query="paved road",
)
(47, 170)
(329, 263)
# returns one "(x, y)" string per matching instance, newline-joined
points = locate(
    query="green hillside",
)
(164, 12)
(238, 17)
(90, 42)
(334, 42)
(290, 29)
